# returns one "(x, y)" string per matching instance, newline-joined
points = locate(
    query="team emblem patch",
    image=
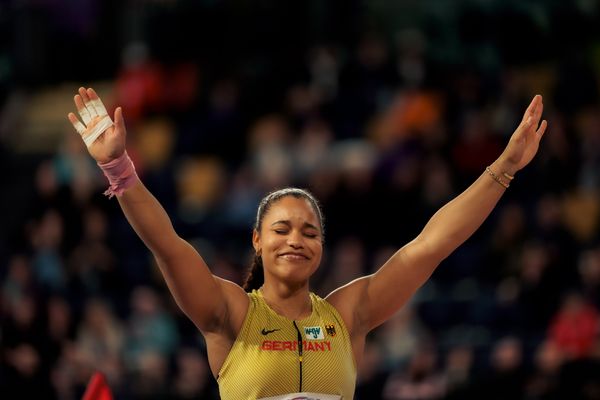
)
(313, 333)
(330, 329)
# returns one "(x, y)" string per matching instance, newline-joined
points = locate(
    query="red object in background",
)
(575, 327)
(97, 388)
(140, 89)
(152, 87)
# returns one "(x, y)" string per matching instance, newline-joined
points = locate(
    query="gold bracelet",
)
(507, 176)
(497, 178)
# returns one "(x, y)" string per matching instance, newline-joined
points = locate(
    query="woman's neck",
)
(291, 303)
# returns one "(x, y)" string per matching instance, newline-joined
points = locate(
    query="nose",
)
(295, 240)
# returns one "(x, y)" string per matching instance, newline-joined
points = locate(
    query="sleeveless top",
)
(274, 355)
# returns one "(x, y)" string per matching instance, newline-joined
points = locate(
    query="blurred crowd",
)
(383, 122)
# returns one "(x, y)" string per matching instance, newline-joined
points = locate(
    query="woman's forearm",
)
(455, 222)
(149, 220)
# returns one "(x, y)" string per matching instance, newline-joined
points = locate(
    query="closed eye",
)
(285, 232)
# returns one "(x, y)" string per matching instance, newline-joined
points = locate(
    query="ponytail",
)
(256, 275)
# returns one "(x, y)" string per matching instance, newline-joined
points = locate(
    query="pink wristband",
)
(120, 173)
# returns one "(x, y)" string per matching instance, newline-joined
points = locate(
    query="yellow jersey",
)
(274, 355)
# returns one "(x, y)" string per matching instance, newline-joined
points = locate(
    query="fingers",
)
(531, 118)
(96, 103)
(91, 110)
(82, 109)
(93, 113)
(533, 107)
(119, 121)
(541, 129)
(538, 111)
(89, 105)
(79, 127)
(84, 95)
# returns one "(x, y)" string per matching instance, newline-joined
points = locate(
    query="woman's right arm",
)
(204, 298)
(212, 303)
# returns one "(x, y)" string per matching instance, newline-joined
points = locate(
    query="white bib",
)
(304, 396)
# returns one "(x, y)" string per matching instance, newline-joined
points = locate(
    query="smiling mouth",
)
(293, 257)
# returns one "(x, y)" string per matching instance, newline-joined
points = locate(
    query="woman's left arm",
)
(369, 301)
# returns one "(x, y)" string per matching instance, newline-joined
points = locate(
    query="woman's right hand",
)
(111, 143)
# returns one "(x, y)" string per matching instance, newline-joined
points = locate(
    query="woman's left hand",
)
(525, 141)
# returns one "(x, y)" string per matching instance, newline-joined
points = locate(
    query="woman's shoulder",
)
(321, 301)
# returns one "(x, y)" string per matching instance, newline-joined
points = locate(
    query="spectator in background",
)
(372, 373)
(151, 329)
(191, 377)
(420, 380)
(575, 327)
(100, 340)
(92, 263)
(19, 280)
(507, 377)
(459, 372)
(589, 271)
(150, 377)
(23, 361)
(60, 329)
(544, 382)
(47, 237)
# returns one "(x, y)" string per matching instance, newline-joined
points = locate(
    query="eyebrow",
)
(288, 223)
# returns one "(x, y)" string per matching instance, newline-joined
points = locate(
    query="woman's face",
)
(290, 241)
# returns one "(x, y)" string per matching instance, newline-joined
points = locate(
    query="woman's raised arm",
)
(213, 304)
(369, 301)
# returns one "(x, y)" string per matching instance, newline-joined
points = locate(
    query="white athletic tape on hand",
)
(85, 115)
(79, 127)
(99, 107)
(97, 130)
(91, 110)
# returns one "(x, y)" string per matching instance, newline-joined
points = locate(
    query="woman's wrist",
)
(503, 166)
(120, 173)
(501, 171)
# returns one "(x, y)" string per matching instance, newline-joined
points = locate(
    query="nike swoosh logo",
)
(267, 331)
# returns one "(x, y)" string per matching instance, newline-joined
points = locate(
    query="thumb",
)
(119, 120)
